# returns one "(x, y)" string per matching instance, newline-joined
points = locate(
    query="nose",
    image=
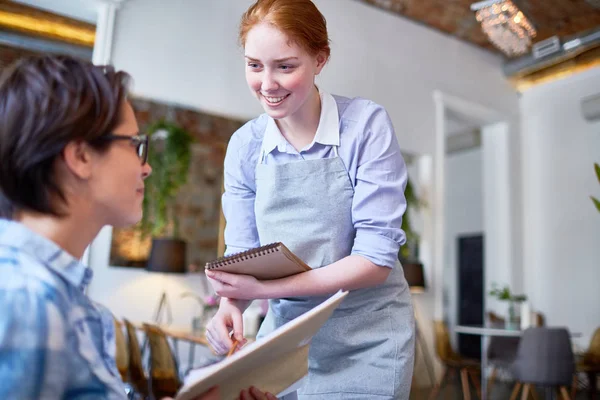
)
(269, 83)
(146, 170)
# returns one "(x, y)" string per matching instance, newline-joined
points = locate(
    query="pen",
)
(233, 347)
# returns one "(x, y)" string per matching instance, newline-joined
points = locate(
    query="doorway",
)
(470, 277)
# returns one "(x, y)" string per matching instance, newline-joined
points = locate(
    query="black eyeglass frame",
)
(139, 141)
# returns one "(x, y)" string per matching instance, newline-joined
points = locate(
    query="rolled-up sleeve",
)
(238, 198)
(379, 201)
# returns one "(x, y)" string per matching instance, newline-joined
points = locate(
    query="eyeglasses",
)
(140, 142)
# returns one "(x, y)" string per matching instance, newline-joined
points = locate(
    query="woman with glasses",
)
(72, 161)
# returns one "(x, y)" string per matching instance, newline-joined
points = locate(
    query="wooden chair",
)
(453, 362)
(122, 354)
(589, 363)
(164, 374)
(137, 376)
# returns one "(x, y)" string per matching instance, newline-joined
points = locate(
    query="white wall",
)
(561, 243)
(463, 200)
(187, 52)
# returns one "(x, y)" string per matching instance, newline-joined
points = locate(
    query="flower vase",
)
(512, 322)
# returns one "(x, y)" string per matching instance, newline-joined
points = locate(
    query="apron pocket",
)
(354, 354)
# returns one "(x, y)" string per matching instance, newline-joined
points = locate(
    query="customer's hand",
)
(253, 393)
(212, 394)
(229, 317)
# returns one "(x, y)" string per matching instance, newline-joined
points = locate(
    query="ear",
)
(78, 159)
(321, 60)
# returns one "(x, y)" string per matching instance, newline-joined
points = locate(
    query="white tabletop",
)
(487, 331)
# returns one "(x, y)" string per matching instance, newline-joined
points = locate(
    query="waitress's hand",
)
(236, 286)
(228, 318)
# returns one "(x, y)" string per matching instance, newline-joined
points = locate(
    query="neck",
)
(72, 233)
(300, 128)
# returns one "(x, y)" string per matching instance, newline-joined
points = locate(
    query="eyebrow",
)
(278, 60)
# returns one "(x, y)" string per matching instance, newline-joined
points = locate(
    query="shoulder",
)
(31, 303)
(359, 109)
(247, 140)
(28, 284)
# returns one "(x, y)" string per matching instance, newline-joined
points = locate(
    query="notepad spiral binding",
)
(244, 255)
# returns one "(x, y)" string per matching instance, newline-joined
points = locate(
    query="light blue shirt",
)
(370, 152)
(54, 342)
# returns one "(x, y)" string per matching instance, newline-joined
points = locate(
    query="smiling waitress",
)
(324, 175)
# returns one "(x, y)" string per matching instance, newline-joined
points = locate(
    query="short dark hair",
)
(45, 103)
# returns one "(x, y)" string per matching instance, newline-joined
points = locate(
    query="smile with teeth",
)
(275, 100)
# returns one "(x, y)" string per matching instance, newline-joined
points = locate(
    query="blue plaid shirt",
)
(54, 342)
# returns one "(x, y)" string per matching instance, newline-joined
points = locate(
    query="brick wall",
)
(198, 203)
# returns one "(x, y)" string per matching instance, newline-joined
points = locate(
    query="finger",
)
(218, 336)
(238, 327)
(215, 283)
(270, 396)
(244, 395)
(258, 395)
(212, 343)
(222, 277)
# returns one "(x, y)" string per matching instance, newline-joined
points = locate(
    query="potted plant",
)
(169, 155)
(595, 200)
(409, 252)
(504, 294)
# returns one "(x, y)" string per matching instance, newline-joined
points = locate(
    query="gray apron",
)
(366, 349)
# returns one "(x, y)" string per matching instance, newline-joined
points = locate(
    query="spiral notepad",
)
(271, 261)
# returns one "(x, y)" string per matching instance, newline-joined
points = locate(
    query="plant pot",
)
(168, 255)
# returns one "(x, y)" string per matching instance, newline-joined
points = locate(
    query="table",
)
(485, 332)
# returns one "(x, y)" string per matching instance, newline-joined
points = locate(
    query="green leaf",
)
(170, 160)
(596, 202)
(597, 168)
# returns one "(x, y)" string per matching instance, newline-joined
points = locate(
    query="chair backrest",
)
(443, 347)
(592, 355)
(545, 357)
(164, 375)
(537, 319)
(495, 320)
(137, 376)
(122, 354)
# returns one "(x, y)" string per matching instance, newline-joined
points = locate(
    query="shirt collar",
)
(19, 237)
(328, 130)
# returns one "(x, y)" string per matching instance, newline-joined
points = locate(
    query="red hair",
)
(300, 20)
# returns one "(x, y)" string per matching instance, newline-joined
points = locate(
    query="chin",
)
(128, 220)
(276, 114)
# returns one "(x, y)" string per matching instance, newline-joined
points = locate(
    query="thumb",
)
(218, 276)
(238, 326)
